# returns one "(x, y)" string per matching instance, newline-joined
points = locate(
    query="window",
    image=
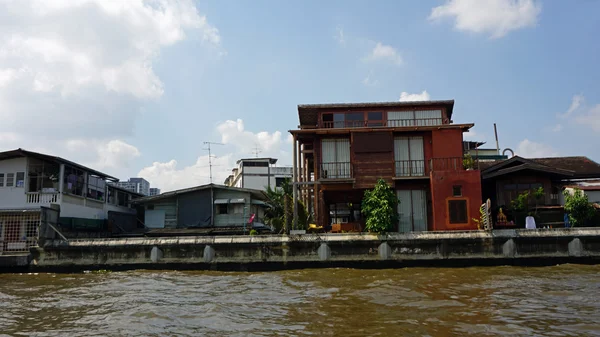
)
(42, 176)
(123, 199)
(1, 179)
(457, 191)
(74, 181)
(375, 119)
(279, 181)
(10, 179)
(409, 156)
(458, 211)
(222, 209)
(336, 158)
(339, 120)
(96, 188)
(256, 164)
(20, 179)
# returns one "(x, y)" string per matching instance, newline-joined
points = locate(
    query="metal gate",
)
(19, 230)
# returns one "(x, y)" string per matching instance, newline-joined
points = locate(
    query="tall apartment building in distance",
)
(154, 191)
(137, 185)
(258, 173)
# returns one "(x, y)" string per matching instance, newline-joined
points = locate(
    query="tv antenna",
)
(208, 144)
(256, 150)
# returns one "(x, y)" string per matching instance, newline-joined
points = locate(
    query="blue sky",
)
(233, 72)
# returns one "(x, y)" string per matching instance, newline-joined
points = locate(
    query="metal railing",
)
(410, 168)
(19, 231)
(339, 170)
(42, 198)
(382, 123)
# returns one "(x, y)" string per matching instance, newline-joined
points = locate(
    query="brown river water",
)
(493, 301)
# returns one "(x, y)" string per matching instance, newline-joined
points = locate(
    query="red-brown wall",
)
(441, 191)
(447, 143)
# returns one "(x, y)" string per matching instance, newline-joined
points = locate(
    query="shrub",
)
(379, 206)
(253, 232)
(578, 207)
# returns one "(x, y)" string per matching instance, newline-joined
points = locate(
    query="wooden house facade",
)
(341, 150)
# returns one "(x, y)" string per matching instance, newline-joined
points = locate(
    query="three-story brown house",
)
(341, 150)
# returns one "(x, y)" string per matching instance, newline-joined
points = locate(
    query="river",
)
(494, 301)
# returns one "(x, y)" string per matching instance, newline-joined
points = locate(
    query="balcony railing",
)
(386, 123)
(410, 168)
(338, 170)
(42, 197)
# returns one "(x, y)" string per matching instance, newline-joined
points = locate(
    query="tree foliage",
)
(279, 211)
(380, 208)
(578, 207)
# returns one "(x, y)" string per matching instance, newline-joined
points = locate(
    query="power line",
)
(210, 157)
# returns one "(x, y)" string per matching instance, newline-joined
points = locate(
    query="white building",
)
(137, 185)
(258, 173)
(29, 180)
(154, 191)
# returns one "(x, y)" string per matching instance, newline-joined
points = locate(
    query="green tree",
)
(380, 208)
(578, 207)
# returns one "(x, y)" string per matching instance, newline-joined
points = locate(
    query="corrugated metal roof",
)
(18, 153)
(260, 195)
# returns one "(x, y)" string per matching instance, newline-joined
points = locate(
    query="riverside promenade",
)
(277, 252)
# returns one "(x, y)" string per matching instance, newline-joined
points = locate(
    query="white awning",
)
(258, 202)
(237, 201)
(221, 201)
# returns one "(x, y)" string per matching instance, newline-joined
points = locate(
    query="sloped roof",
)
(257, 194)
(569, 167)
(309, 113)
(19, 153)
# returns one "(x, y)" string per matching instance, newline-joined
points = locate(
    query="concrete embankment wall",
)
(542, 246)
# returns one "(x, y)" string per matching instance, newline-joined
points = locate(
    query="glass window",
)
(42, 176)
(96, 188)
(510, 187)
(536, 186)
(20, 179)
(279, 181)
(339, 120)
(10, 179)
(457, 191)
(74, 181)
(1, 179)
(458, 211)
(222, 208)
(375, 116)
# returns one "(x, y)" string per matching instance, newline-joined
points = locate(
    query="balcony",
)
(42, 198)
(395, 123)
(338, 170)
(410, 168)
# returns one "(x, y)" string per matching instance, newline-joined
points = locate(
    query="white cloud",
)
(369, 81)
(557, 128)
(339, 36)
(168, 176)
(576, 102)
(240, 143)
(529, 149)
(74, 74)
(383, 52)
(494, 17)
(405, 96)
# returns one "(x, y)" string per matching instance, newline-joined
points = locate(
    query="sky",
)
(136, 88)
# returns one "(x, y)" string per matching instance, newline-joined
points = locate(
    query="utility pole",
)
(208, 144)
